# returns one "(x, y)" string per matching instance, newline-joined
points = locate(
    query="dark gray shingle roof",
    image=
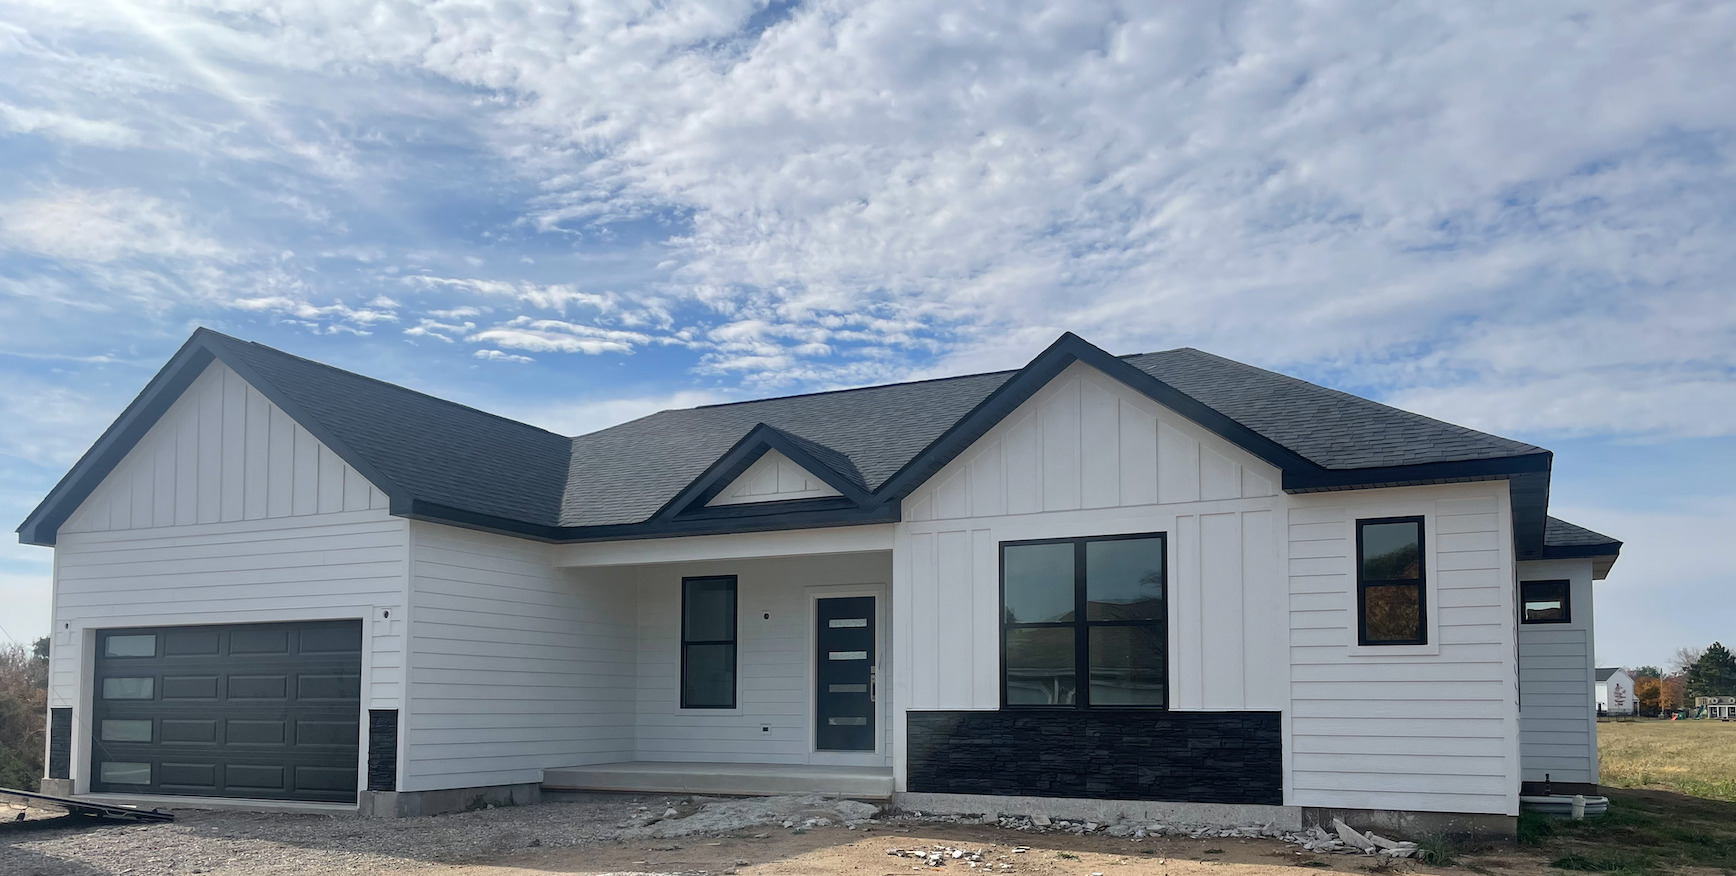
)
(626, 473)
(433, 449)
(441, 460)
(1560, 533)
(1604, 674)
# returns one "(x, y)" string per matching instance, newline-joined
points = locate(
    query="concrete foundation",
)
(730, 779)
(408, 804)
(57, 787)
(1398, 824)
(1105, 811)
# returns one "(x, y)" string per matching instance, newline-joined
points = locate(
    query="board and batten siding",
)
(1087, 455)
(773, 720)
(773, 477)
(515, 665)
(167, 539)
(1428, 728)
(222, 453)
(1557, 678)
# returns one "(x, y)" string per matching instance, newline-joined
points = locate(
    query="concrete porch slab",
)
(744, 779)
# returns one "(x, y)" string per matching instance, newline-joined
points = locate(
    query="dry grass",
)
(1692, 757)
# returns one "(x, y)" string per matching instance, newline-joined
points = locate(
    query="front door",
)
(844, 715)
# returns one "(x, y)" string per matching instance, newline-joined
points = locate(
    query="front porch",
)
(743, 779)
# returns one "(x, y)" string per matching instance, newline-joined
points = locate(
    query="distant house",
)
(1615, 692)
(1718, 708)
(1164, 580)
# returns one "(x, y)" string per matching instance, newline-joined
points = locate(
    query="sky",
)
(1519, 217)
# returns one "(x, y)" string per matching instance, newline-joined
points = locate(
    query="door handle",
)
(873, 683)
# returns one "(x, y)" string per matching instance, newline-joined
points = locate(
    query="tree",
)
(23, 714)
(1685, 658)
(1648, 694)
(1714, 674)
(1647, 672)
(1674, 693)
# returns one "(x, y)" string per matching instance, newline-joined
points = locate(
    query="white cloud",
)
(559, 336)
(103, 225)
(498, 356)
(94, 132)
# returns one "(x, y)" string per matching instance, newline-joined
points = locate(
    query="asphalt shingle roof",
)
(1560, 533)
(436, 450)
(440, 452)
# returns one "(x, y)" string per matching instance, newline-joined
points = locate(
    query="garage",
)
(259, 711)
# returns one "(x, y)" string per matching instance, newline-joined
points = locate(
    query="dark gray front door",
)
(266, 711)
(845, 713)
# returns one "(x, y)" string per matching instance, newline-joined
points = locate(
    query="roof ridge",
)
(1411, 415)
(386, 383)
(752, 401)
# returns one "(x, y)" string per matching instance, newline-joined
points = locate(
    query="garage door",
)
(266, 711)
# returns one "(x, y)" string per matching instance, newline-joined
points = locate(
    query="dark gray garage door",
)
(267, 711)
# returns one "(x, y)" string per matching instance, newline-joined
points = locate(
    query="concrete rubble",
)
(1346, 840)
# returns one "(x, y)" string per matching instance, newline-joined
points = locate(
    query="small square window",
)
(1545, 602)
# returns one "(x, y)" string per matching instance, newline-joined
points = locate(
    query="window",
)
(1084, 622)
(118, 773)
(115, 730)
(708, 643)
(1544, 602)
(1391, 600)
(128, 688)
(130, 646)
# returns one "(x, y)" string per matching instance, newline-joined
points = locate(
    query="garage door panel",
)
(344, 687)
(189, 687)
(265, 710)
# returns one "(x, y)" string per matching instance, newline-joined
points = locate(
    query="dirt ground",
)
(610, 835)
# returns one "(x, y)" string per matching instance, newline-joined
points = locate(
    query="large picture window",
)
(1084, 622)
(708, 642)
(1391, 599)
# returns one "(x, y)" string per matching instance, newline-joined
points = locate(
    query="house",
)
(1716, 708)
(1166, 584)
(1615, 692)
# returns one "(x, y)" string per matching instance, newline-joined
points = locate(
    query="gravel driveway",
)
(253, 844)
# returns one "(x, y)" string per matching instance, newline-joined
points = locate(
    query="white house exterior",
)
(1615, 691)
(1098, 580)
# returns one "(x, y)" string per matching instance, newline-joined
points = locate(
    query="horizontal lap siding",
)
(1408, 728)
(330, 566)
(1557, 705)
(515, 666)
(774, 687)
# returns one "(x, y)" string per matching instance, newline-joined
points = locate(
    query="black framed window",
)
(708, 642)
(1545, 602)
(1084, 622)
(1391, 596)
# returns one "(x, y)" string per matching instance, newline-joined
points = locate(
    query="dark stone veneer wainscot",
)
(1193, 757)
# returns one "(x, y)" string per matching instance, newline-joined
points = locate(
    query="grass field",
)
(1692, 757)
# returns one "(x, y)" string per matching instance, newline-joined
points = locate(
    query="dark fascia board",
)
(745, 452)
(42, 527)
(1019, 388)
(809, 516)
(1610, 549)
(1529, 474)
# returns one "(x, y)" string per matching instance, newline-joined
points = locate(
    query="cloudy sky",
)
(1516, 216)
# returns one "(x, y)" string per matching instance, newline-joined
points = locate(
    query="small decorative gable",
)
(773, 478)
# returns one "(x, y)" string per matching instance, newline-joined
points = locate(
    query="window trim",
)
(734, 641)
(1566, 601)
(1421, 583)
(1081, 625)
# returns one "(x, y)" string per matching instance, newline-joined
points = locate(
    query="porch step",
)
(740, 779)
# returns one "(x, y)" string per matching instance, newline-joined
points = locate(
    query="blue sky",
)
(1519, 217)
